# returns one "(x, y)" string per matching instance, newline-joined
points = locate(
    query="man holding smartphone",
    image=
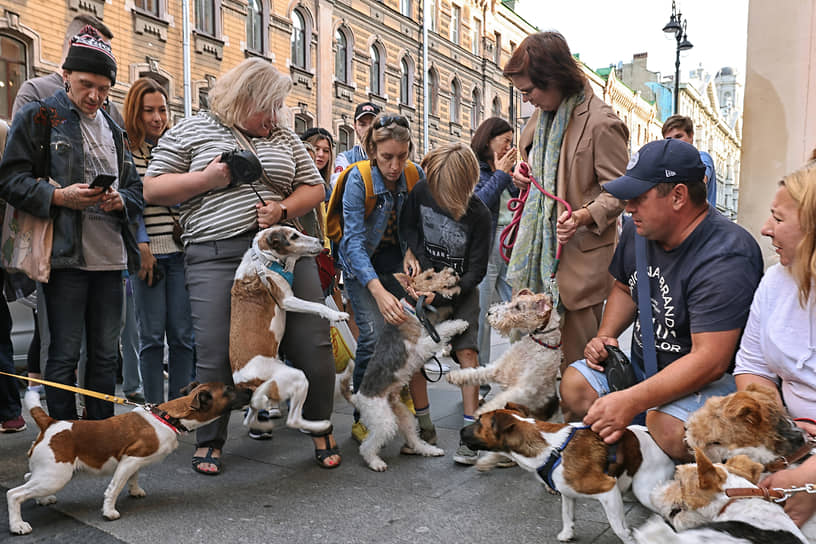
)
(81, 146)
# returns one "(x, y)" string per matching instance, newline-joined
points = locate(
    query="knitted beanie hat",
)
(90, 53)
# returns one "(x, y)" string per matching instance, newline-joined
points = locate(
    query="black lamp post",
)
(677, 26)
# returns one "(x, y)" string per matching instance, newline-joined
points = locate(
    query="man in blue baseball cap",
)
(702, 271)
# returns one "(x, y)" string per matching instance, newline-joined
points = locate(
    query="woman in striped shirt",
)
(160, 291)
(220, 220)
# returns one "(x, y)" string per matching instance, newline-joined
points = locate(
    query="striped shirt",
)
(224, 213)
(158, 219)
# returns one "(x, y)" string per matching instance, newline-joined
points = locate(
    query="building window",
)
(434, 15)
(497, 51)
(13, 72)
(302, 123)
(345, 138)
(476, 38)
(406, 81)
(375, 79)
(455, 101)
(205, 16)
(497, 107)
(341, 58)
(433, 91)
(255, 26)
(148, 6)
(298, 40)
(405, 7)
(456, 20)
(475, 109)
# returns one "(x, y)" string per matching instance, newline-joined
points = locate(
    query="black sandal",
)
(321, 455)
(207, 459)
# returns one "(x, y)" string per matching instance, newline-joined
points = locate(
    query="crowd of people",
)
(161, 244)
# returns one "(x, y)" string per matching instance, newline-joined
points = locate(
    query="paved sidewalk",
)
(274, 491)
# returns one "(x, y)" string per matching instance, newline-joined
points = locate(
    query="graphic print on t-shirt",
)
(445, 239)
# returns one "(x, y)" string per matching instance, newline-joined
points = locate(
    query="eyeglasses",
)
(527, 92)
(388, 120)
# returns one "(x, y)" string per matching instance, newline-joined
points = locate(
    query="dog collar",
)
(541, 343)
(263, 263)
(546, 470)
(172, 422)
(783, 462)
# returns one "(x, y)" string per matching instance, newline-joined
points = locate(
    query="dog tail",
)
(32, 404)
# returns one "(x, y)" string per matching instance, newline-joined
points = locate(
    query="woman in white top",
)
(778, 346)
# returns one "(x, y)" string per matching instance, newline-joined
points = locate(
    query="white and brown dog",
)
(718, 503)
(261, 296)
(399, 353)
(121, 444)
(575, 461)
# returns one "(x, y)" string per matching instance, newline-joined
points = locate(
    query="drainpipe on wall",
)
(426, 110)
(185, 15)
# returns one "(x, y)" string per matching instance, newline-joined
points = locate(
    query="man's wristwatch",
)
(284, 211)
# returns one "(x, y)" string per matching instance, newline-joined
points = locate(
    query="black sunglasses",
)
(388, 120)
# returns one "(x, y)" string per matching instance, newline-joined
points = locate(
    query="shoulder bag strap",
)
(645, 307)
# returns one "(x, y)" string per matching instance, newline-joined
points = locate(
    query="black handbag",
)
(619, 370)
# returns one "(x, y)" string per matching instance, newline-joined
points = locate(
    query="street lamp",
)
(677, 26)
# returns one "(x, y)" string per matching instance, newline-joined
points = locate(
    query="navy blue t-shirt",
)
(706, 284)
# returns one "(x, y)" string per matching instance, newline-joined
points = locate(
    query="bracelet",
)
(805, 419)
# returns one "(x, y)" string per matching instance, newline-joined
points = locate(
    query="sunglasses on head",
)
(388, 120)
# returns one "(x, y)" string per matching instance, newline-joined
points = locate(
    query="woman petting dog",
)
(446, 225)
(778, 346)
(220, 218)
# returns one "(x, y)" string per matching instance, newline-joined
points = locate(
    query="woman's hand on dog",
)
(800, 506)
(390, 307)
(595, 351)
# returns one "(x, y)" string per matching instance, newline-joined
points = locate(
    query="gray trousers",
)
(209, 270)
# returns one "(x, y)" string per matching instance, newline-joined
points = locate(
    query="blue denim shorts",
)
(681, 408)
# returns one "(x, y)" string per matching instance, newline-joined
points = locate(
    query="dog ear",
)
(544, 307)
(187, 389)
(707, 474)
(742, 465)
(277, 240)
(503, 422)
(523, 410)
(745, 408)
(524, 291)
(202, 401)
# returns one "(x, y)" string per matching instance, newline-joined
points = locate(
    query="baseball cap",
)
(366, 108)
(661, 161)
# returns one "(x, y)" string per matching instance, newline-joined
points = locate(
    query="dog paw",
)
(483, 466)
(566, 535)
(433, 451)
(339, 316)
(111, 515)
(137, 492)
(20, 528)
(45, 501)
(377, 465)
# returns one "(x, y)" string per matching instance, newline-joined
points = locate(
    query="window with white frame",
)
(341, 57)
(456, 23)
(375, 79)
(455, 101)
(298, 39)
(255, 26)
(476, 38)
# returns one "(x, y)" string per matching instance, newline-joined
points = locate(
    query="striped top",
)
(158, 219)
(224, 213)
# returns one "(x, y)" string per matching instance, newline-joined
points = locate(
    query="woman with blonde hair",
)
(778, 347)
(159, 291)
(220, 216)
(446, 225)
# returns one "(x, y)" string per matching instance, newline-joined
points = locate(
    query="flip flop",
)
(207, 459)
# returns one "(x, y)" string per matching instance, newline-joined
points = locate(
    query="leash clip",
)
(420, 314)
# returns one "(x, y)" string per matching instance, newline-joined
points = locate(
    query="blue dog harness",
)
(546, 470)
(263, 262)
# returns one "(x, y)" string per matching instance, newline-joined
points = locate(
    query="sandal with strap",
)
(323, 455)
(207, 459)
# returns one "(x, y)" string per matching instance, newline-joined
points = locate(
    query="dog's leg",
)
(612, 503)
(376, 414)
(297, 391)
(294, 304)
(497, 402)
(473, 376)
(124, 470)
(44, 483)
(567, 519)
(410, 432)
(134, 489)
(488, 461)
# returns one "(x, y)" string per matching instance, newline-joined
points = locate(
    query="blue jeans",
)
(370, 322)
(81, 303)
(165, 309)
(494, 282)
(131, 379)
(10, 405)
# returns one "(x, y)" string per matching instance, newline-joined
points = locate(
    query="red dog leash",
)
(507, 238)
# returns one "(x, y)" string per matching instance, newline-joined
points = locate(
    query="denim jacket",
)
(490, 187)
(362, 235)
(21, 189)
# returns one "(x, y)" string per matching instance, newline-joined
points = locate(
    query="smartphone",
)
(103, 181)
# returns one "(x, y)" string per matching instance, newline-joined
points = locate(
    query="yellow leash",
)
(86, 392)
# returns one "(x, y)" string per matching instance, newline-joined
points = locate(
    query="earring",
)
(67, 87)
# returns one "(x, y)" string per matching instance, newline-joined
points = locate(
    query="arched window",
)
(345, 138)
(455, 101)
(255, 26)
(497, 107)
(298, 39)
(13, 72)
(433, 91)
(475, 109)
(406, 81)
(341, 57)
(302, 123)
(375, 79)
